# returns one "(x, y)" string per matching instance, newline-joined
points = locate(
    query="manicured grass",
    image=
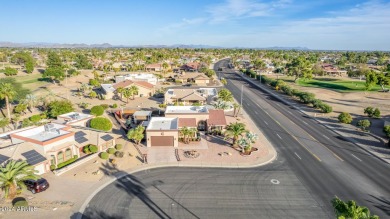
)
(336, 84)
(31, 81)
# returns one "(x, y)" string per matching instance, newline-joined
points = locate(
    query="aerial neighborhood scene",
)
(195, 109)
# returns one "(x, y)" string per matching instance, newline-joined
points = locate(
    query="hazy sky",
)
(330, 24)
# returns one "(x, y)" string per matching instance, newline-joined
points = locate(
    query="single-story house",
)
(190, 96)
(198, 78)
(162, 131)
(191, 66)
(150, 78)
(74, 119)
(154, 67)
(145, 89)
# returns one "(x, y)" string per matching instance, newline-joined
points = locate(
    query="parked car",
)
(187, 85)
(38, 185)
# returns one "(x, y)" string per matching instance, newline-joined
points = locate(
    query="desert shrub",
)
(52, 167)
(305, 97)
(86, 150)
(317, 103)
(104, 155)
(35, 118)
(369, 111)
(376, 113)
(114, 105)
(101, 123)
(364, 124)
(386, 130)
(19, 202)
(325, 108)
(111, 150)
(93, 148)
(97, 110)
(162, 105)
(119, 154)
(118, 146)
(345, 117)
(286, 89)
(105, 106)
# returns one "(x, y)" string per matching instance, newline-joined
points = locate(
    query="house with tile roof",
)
(145, 89)
(190, 96)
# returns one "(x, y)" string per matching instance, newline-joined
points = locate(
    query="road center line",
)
(289, 112)
(265, 122)
(267, 113)
(356, 157)
(256, 113)
(279, 136)
(305, 122)
(325, 136)
(297, 155)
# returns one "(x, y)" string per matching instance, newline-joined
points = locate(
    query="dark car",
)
(187, 85)
(38, 185)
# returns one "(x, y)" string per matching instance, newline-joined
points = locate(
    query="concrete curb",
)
(149, 166)
(319, 121)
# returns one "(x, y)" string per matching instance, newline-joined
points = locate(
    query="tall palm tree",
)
(221, 105)
(120, 90)
(13, 175)
(134, 90)
(31, 101)
(186, 133)
(225, 95)
(237, 108)
(235, 130)
(7, 92)
(127, 94)
(4, 122)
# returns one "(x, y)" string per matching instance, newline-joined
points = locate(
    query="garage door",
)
(162, 141)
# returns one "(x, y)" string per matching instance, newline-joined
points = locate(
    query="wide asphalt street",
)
(313, 166)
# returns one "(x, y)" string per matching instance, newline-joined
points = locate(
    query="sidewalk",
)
(368, 142)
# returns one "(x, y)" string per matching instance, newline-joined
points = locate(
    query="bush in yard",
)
(35, 118)
(369, 111)
(119, 154)
(105, 106)
(97, 110)
(345, 117)
(286, 89)
(118, 147)
(86, 150)
(111, 150)
(376, 113)
(104, 155)
(364, 124)
(19, 202)
(386, 130)
(93, 148)
(101, 123)
(65, 163)
(114, 105)
(162, 105)
(325, 108)
(317, 103)
(52, 167)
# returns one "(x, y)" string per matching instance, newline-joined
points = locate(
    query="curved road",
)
(313, 166)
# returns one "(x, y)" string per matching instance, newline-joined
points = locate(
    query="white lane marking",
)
(256, 113)
(258, 105)
(266, 113)
(279, 136)
(305, 122)
(325, 136)
(297, 155)
(356, 157)
(265, 122)
(289, 112)
(248, 104)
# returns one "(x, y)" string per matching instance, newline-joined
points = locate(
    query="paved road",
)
(323, 161)
(313, 166)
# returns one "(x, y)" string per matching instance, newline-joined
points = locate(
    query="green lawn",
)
(31, 81)
(336, 84)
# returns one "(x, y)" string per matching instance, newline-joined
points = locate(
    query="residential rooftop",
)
(72, 117)
(163, 123)
(186, 109)
(43, 133)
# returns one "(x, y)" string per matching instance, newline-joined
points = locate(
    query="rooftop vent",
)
(49, 127)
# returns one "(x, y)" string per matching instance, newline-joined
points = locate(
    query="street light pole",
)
(242, 91)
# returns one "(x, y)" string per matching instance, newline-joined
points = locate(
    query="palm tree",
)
(223, 81)
(186, 133)
(237, 108)
(127, 94)
(13, 175)
(31, 101)
(4, 123)
(235, 130)
(221, 105)
(7, 92)
(134, 90)
(120, 90)
(225, 95)
(351, 210)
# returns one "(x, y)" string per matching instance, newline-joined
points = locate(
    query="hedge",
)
(65, 163)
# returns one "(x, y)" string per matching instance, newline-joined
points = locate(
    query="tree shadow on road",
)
(381, 203)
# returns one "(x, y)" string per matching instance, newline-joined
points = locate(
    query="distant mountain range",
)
(107, 45)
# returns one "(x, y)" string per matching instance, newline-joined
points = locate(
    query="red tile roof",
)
(187, 122)
(216, 117)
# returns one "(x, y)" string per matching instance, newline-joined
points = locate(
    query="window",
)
(60, 157)
(68, 154)
(52, 160)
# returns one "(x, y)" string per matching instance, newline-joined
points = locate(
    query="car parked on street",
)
(36, 186)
